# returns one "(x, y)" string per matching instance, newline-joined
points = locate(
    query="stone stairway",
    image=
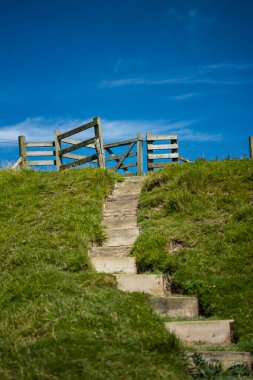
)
(120, 222)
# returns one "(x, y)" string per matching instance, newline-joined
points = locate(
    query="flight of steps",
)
(119, 219)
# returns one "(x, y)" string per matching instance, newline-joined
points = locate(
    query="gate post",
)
(22, 151)
(99, 143)
(57, 145)
(139, 154)
(250, 146)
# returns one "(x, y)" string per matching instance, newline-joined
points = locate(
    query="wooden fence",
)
(59, 153)
(133, 144)
(162, 147)
(25, 153)
(161, 151)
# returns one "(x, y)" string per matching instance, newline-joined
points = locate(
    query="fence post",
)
(57, 145)
(99, 143)
(174, 150)
(149, 150)
(251, 146)
(22, 151)
(139, 154)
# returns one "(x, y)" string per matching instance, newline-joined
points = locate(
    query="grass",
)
(59, 319)
(197, 225)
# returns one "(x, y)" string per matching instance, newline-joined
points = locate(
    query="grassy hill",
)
(59, 319)
(197, 225)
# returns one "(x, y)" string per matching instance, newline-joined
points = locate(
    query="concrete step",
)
(117, 251)
(115, 221)
(125, 204)
(133, 179)
(119, 213)
(108, 264)
(132, 188)
(122, 197)
(121, 236)
(148, 283)
(208, 332)
(226, 358)
(175, 306)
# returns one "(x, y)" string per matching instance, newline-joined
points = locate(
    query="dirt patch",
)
(175, 245)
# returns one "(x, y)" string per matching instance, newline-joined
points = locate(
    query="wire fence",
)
(192, 150)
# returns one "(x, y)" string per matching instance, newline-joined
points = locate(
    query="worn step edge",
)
(123, 231)
(123, 206)
(122, 198)
(194, 332)
(175, 306)
(227, 359)
(114, 223)
(123, 240)
(119, 213)
(108, 264)
(117, 251)
(148, 283)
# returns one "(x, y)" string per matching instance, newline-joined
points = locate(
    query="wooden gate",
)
(95, 143)
(134, 149)
(61, 153)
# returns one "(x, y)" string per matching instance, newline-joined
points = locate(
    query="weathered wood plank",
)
(250, 146)
(39, 144)
(139, 154)
(79, 162)
(74, 156)
(166, 155)
(42, 163)
(57, 143)
(128, 165)
(36, 153)
(73, 141)
(116, 159)
(159, 164)
(22, 151)
(183, 159)
(77, 146)
(99, 143)
(120, 143)
(124, 166)
(125, 155)
(174, 151)
(17, 163)
(162, 147)
(113, 157)
(74, 131)
(150, 137)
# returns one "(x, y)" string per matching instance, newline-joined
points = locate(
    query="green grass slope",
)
(197, 225)
(59, 319)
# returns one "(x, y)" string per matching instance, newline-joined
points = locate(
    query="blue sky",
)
(183, 66)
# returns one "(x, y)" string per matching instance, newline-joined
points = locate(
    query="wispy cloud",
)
(41, 129)
(37, 128)
(225, 66)
(166, 81)
(185, 96)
